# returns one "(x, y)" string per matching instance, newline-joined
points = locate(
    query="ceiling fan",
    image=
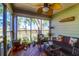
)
(47, 8)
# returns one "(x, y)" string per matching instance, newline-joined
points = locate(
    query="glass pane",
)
(21, 28)
(28, 36)
(34, 24)
(1, 22)
(39, 22)
(21, 23)
(9, 30)
(34, 35)
(34, 29)
(45, 27)
(28, 26)
(22, 34)
(1, 29)
(24, 29)
(45, 32)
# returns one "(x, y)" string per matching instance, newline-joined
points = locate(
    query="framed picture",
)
(72, 18)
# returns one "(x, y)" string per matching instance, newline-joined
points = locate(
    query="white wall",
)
(67, 28)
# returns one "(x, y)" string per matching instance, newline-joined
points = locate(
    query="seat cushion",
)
(66, 39)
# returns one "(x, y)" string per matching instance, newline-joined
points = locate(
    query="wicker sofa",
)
(67, 48)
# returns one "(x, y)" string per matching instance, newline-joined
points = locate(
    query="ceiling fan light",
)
(45, 9)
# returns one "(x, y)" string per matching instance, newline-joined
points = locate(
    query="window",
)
(23, 28)
(8, 23)
(45, 27)
(1, 29)
(34, 30)
(28, 28)
(9, 30)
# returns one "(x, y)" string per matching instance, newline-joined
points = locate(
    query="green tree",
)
(1, 9)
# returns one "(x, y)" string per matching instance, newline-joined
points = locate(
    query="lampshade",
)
(45, 9)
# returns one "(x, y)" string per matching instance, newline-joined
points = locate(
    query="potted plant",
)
(24, 42)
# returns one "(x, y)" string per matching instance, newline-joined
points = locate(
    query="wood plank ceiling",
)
(31, 8)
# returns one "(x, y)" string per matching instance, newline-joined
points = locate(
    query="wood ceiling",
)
(32, 8)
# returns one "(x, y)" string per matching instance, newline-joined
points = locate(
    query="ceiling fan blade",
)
(50, 13)
(39, 10)
(56, 6)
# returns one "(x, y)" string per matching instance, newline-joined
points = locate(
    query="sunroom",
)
(39, 29)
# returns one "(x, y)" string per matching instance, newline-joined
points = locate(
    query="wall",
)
(66, 28)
